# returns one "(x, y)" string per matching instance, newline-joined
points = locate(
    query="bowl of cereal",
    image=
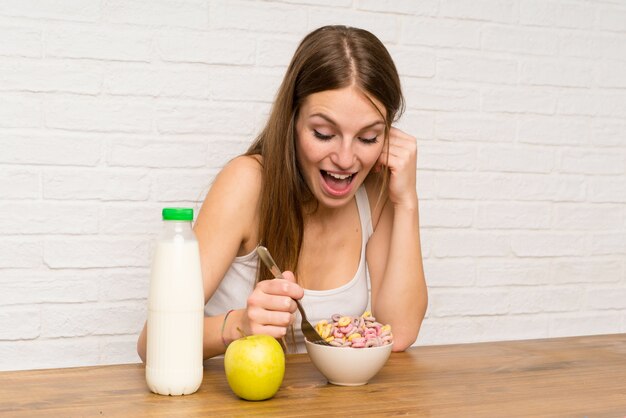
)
(360, 347)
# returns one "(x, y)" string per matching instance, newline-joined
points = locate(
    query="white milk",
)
(175, 313)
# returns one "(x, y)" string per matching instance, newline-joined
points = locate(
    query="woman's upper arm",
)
(227, 218)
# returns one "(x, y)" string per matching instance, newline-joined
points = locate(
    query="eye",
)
(372, 140)
(321, 136)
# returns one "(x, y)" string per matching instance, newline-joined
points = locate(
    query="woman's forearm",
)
(213, 345)
(142, 342)
(218, 332)
(402, 299)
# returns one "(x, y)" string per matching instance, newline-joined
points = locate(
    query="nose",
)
(344, 156)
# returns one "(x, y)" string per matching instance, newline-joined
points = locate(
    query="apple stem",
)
(243, 334)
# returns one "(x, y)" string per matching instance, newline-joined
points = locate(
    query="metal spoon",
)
(307, 329)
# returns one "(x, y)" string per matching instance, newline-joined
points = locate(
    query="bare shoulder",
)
(239, 183)
(244, 171)
(231, 205)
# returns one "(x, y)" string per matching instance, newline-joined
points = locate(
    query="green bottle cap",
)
(177, 214)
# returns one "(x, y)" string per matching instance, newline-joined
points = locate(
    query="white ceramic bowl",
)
(347, 366)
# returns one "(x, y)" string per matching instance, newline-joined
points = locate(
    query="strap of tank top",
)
(363, 205)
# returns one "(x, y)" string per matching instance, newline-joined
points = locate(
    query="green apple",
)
(254, 366)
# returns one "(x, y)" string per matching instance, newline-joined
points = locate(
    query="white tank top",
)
(351, 298)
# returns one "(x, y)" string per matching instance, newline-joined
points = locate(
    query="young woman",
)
(329, 187)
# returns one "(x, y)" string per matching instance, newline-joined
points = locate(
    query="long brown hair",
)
(328, 58)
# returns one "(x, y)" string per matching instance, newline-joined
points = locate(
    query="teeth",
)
(339, 176)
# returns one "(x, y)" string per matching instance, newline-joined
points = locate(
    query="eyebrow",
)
(332, 122)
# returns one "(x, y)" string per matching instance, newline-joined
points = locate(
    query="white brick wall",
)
(111, 110)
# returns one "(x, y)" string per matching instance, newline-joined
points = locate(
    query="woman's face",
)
(339, 137)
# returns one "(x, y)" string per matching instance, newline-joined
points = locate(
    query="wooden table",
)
(564, 377)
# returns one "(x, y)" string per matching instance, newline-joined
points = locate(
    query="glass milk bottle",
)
(175, 309)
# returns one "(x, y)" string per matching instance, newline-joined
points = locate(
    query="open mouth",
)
(337, 183)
